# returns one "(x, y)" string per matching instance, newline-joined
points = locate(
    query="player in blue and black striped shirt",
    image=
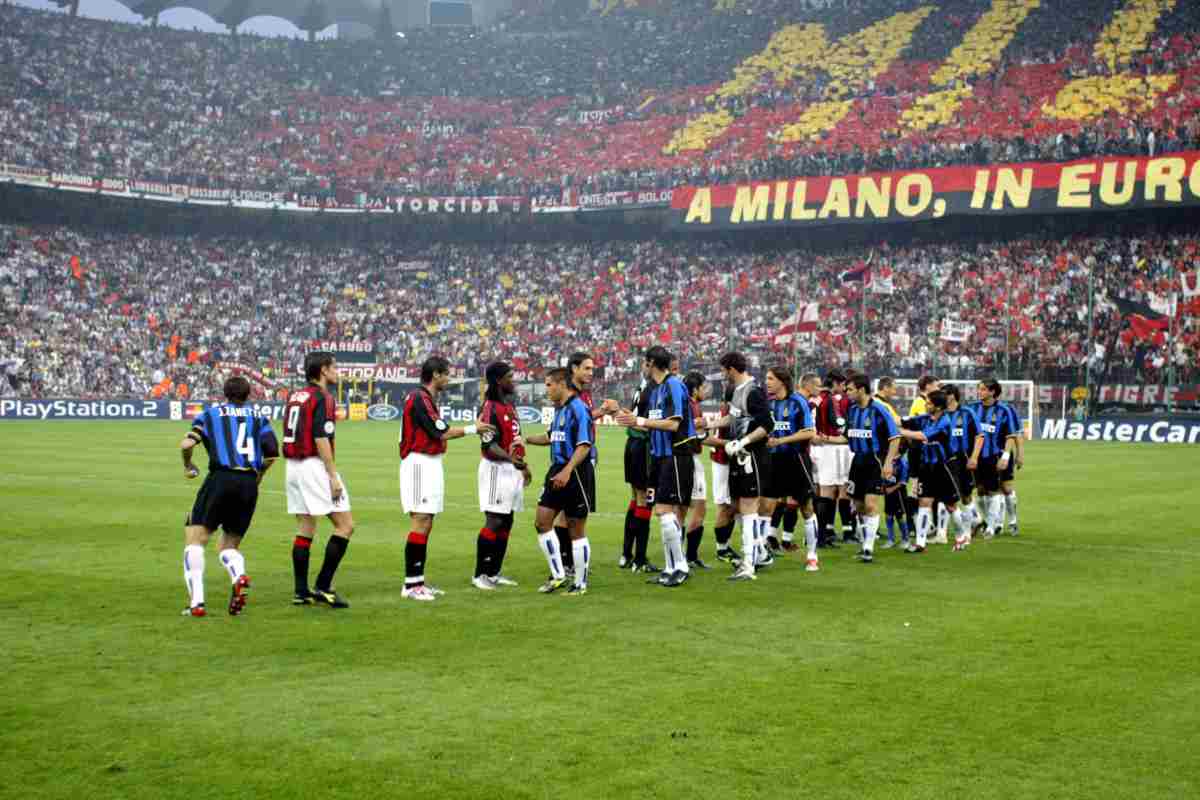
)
(241, 448)
(672, 432)
(1003, 452)
(874, 442)
(937, 479)
(570, 485)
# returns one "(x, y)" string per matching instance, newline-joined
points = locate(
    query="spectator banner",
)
(604, 201)
(350, 351)
(28, 175)
(1149, 429)
(954, 330)
(1088, 185)
(600, 115)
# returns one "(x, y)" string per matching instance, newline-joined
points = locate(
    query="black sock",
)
(335, 548)
(824, 519)
(414, 558)
(485, 545)
(641, 540)
(499, 549)
(630, 531)
(722, 534)
(847, 515)
(777, 516)
(790, 517)
(693, 543)
(564, 546)
(300, 551)
(909, 516)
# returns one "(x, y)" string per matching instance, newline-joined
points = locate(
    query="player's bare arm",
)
(628, 420)
(325, 453)
(889, 466)
(973, 461)
(806, 435)
(267, 464)
(185, 451)
(578, 457)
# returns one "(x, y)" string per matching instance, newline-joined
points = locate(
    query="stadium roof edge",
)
(305, 15)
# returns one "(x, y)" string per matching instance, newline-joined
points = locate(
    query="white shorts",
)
(699, 487)
(422, 484)
(501, 487)
(721, 494)
(307, 487)
(831, 463)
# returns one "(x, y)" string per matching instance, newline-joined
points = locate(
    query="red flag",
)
(76, 268)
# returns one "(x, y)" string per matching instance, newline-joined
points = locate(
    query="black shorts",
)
(791, 477)
(637, 463)
(866, 476)
(578, 498)
(674, 478)
(989, 476)
(939, 482)
(226, 500)
(750, 473)
(897, 504)
(966, 478)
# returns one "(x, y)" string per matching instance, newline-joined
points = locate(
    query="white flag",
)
(954, 330)
(1191, 284)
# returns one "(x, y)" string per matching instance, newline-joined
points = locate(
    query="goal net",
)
(1021, 395)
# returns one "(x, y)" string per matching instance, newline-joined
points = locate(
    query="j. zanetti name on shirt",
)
(1155, 431)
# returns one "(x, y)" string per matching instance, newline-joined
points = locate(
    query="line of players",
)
(774, 460)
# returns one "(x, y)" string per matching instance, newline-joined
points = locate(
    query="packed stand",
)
(89, 314)
(616, 98)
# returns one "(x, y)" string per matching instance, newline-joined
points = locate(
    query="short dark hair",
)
(237, 389)
(951, 390)
(834, 376)
(576, 359)
(924, 381)
(937, 399)
(693, 381)
(316, 361)
(884, 383)
(861, 382)
(735, 361)
(784, 376)
(993, 386)
(558, 375)
(432, 366)
(659, 357)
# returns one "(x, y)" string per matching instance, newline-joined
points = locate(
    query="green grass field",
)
(1058, 665)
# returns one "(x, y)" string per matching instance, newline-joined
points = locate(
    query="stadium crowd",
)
(618, 98)
(95, 314)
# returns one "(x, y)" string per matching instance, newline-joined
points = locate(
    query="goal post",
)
(1021, 395)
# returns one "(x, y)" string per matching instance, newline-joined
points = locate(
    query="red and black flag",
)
(1144, 321)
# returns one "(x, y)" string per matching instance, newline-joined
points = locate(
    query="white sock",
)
(749, 540)
(549, 543)
(943, 520)
(234, 563)
(764, 528)
(1010, 503)
(870, 526)
(810, 537)
(583, 559)
(924, 523)
(995, 512)
(193, 573)
(672, 538)
(962, 523)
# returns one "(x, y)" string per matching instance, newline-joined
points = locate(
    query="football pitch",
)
(1062, 664)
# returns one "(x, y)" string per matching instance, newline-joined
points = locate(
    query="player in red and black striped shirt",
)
(423, 437)
(314, 487)
(503, 476)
